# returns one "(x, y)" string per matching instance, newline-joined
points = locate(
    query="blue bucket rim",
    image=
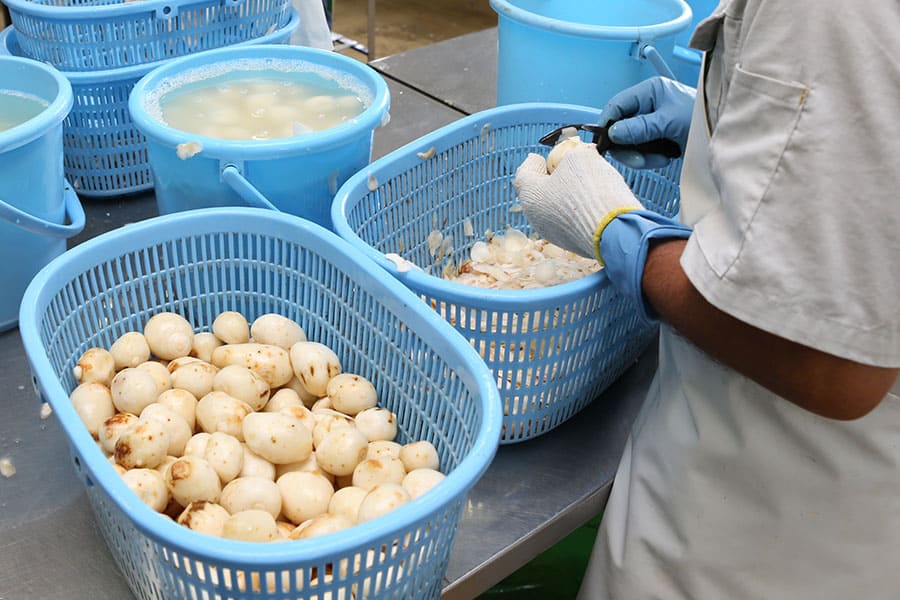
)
(609, 32)
(332, 137)
(250, 555)
(53, 115)
(8, 37)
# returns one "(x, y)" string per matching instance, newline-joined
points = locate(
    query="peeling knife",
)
(666, 147)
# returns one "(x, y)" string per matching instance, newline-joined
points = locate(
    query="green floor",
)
(554, 575)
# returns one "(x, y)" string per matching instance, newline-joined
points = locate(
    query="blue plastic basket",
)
(82, 35)
(551, 350)
(104, 153)
(199, 263)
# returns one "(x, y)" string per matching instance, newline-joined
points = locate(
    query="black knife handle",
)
(666, 147)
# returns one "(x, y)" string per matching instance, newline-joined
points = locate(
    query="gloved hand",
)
(565, 207)
(650, 110)
(586, 207)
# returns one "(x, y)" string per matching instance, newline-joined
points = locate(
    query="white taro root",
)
(112, 428)
(204, 517)
(144, 444)
(277, 437)
(255, 465)
(328, 421)
(304, 495)
(93, 403)
(346, 502)
(277, 330)
(351, 394)
(381, 500)
(341, 450)
(383, 449)
(95, 365)
(133, 390)
(419, 455)
(225, 454)
(203, 345)
(160, 374)
(321, 525)
(169, 335)
(374, 471)
(231, 327)
(193, 375)
(310, 465)
(419, 481)
(377, 424)
(314, 365)
(183, 402)
(270, 362)
(217, 411)
(302, 414)
(177, 429)
(130, 350)
(305, 397)
(192, 479)
(242, 383)
(282, 399)
(196, 446)
(251, 526)
(561, 149)
(149, 486)
(246, 493)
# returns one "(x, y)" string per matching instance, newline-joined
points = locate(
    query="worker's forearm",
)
(822, 383)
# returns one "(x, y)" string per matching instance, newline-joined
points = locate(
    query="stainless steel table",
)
(534, 494)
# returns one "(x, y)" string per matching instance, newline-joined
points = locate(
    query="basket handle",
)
(231, 175)
(28, 222)
(650, 52)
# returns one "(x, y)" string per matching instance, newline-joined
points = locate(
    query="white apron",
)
(728, 492)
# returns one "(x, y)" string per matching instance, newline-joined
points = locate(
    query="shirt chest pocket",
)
(758, 117)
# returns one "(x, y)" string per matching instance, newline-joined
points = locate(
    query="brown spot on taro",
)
(312, 370)
(180, 470)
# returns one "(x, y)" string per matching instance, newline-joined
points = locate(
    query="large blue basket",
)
(82, 35)
(551, 350)
(104, 153)
(199, 263)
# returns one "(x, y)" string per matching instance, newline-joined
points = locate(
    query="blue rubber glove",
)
(653, 109)
(624, 243)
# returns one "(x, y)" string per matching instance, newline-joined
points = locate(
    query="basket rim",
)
(9, 36)
(332, 137)
(353, 190)
(95, 12)
(52, 115)
(445, 339)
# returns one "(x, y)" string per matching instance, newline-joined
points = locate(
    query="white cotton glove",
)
(571, 207)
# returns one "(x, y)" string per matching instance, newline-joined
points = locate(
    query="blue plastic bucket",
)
(583, 52)
(34, 196)
(686, 64)
(298, 175)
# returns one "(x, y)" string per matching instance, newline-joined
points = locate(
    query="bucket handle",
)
(28, 222)
(649, 52)
(231, 175)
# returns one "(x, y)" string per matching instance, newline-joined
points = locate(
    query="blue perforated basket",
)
(104, 153)
(199, 263)
(88, 35)
(551, 350)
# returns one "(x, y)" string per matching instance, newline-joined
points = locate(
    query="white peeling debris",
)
(46, 410)
(427, 154)
(332, 183)
(468, 228)
(403, 265)
(434, 240)
(188, 149)
(301, 129)
(7, 468)
(484, 131)
(372, 183)
(515, 208)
